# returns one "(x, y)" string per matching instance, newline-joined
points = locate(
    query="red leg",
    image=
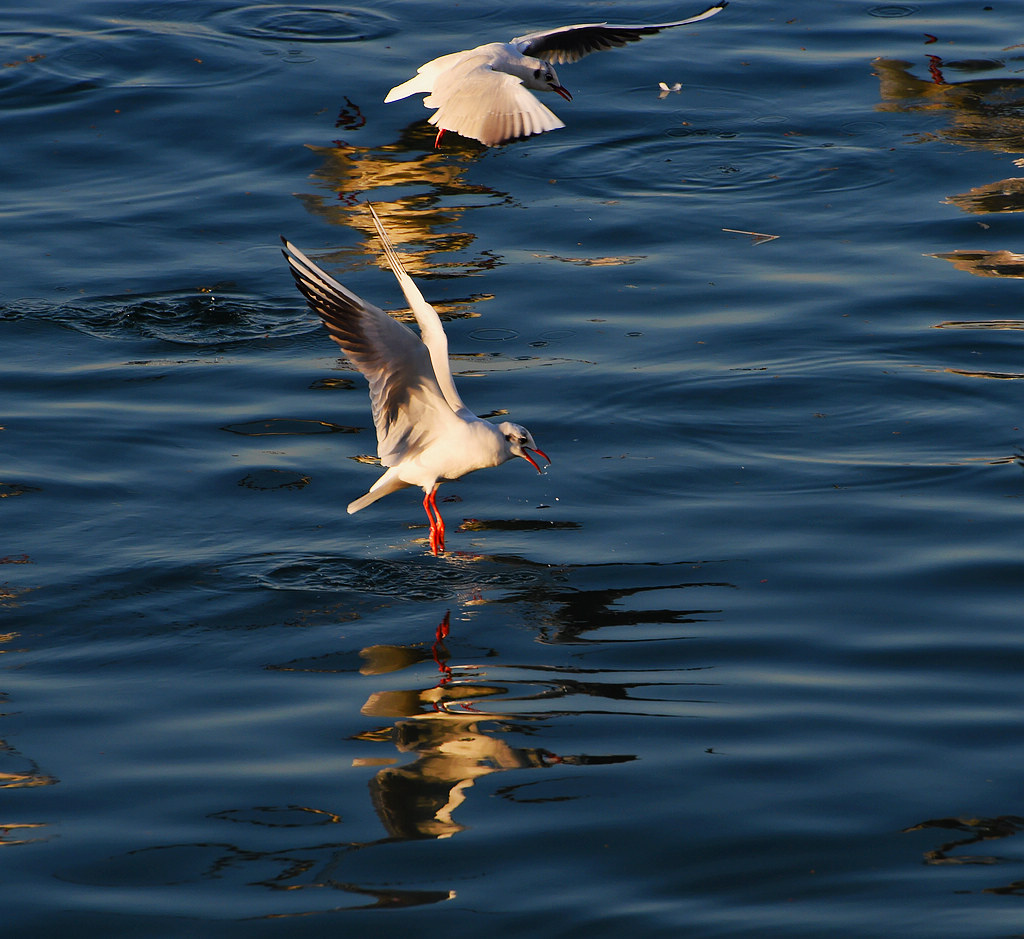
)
(437, 139)
(440, 654)
(433, 524)
(443, 627)
(439, 527)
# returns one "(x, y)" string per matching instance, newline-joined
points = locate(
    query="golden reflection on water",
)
(1000, 376)
(436, 197)
(1003, 196)
(986, 264)
(9, 594)
(996, 325)
(453, 745)
(14, 834)
(29, 777)
(420, 193)
(985, 113)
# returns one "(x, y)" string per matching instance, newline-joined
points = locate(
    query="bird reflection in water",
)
(986, 113)
(451, 728)
(454, 744)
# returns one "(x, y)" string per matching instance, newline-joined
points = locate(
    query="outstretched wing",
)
(475, 100)
(431, 331)
(408, 405)
(571, 43)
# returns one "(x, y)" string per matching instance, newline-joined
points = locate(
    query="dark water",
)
(747, 660)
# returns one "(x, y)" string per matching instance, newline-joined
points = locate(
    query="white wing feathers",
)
(572, 43)
(431, 330)
(478, 93)
(476, 101)
(407, 402)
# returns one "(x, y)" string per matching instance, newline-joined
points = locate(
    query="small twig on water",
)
(759, 237)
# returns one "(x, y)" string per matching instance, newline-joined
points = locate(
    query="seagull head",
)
(520, 443)
(544, 78)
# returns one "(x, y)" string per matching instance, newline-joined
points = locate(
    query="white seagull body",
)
(425, 433)
(484, 93)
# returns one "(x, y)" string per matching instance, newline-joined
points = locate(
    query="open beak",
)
(564, 92)
(529, 459)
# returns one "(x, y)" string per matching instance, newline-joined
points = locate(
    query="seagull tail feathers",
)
(383, 487)
(404, 90)
(363, 501)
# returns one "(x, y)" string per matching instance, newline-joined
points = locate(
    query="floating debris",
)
(666, 90)
(610, 261)
(759, 238)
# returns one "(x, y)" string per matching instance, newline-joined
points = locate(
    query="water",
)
(745, 662)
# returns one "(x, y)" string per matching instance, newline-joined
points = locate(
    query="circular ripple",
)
(305, 24)
(860, 128)
(890, 10)
(493, 335)
(761, 166)
(134, 57)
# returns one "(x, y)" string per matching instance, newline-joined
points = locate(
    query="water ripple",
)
(150, 55)
(287, 23)
(385, 578)
(692, 159)
(186, 318)
(892, 10)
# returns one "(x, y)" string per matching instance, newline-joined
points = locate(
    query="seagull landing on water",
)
(425, 434)
(484, 93)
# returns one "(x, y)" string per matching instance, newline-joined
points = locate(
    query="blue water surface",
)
(746, 661)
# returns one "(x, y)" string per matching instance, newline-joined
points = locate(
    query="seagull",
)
(484, 93)
(425, 433)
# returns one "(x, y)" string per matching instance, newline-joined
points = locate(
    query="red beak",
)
(529, 459)
(564, 92)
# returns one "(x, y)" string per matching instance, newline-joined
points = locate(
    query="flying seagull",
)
(425, 433)
(484, 92)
